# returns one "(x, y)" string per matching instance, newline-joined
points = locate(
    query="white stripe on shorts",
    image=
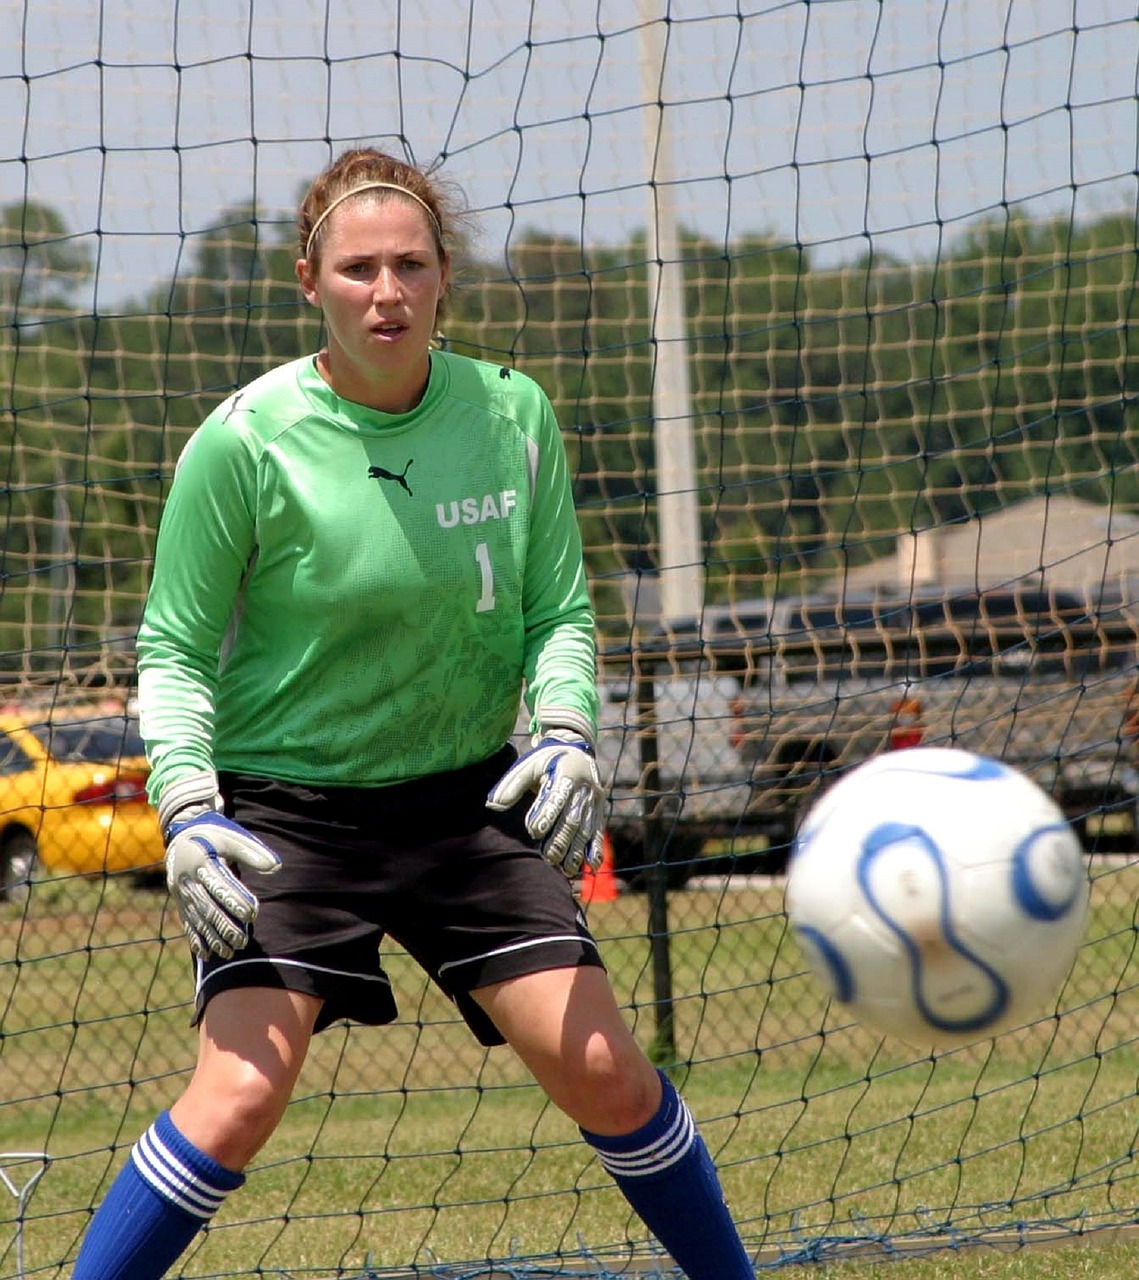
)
(516, 946)
(274, 961)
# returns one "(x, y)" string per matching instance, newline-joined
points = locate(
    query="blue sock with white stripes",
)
(667, 1175)
(164, 1194)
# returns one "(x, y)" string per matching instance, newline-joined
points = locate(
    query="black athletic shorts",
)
(462, 889)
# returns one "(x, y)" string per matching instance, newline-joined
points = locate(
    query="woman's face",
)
(379, 280)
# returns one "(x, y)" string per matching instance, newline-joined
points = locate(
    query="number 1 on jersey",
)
(486, 599)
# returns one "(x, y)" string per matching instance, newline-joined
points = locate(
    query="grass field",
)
(410, 1143)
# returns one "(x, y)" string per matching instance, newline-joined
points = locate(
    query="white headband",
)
(370, 186)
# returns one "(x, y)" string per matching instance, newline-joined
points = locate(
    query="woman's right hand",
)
(216, 909)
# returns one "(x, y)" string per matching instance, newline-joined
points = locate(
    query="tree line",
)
(832, 407)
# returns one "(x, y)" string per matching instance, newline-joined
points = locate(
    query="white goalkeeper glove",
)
(565, 818)
(216, 908)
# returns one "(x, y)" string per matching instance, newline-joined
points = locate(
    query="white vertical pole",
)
(678, 516)
(61, 580)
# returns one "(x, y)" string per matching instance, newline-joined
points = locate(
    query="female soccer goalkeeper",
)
(366, 556)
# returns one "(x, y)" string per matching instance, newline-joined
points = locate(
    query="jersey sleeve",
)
(206, 541)
(560, 660)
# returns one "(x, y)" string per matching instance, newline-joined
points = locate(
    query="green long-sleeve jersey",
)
(343, 596)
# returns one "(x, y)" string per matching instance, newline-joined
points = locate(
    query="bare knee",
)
(566, 1027)
(230, 1114)
(615, 1094)
(252, 1044)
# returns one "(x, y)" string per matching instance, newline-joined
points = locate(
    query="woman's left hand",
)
(565, 818)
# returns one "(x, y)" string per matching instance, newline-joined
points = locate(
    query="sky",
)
(843, 125)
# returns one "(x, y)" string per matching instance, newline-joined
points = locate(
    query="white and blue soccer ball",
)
(939, 895)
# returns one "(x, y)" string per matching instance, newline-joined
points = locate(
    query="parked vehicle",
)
(685, 774)
(72, 798)
(759, 707)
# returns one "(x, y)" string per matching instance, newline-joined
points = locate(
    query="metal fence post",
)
(22, 1192)
(663, 1050)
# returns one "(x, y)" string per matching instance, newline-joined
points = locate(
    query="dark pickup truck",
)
(734, 726)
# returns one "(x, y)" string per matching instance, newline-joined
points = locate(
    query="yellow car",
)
(72, 797)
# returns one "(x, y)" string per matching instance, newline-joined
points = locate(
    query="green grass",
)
(1095, 1260)
(409, 1142)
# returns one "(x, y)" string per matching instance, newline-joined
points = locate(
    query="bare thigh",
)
(566, 1027)
(252, 1044)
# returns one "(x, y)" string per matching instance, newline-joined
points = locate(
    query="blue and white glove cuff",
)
(188, 797)
(549, 720)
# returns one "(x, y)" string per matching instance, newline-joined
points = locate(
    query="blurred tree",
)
(832, 408)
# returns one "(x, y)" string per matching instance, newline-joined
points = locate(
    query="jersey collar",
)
(361, 419)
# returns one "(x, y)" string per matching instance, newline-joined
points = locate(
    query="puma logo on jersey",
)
(235, 407)
(400, 477)
(491, 506)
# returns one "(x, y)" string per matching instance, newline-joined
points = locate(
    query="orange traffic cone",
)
(601, 885)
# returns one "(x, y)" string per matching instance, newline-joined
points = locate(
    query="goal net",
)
(834, 302)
